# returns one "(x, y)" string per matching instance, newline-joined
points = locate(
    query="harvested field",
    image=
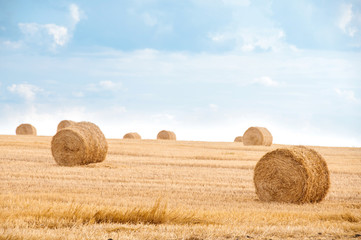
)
(149, 189)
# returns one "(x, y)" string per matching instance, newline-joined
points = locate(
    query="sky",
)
(205, 69)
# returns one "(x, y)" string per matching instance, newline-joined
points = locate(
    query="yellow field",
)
(149, 189)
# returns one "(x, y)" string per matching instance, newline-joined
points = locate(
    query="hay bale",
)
(166, 135)
(292, 175)
(132, 135)
(79, 144)
(64, 124)
(26, 129)
(238, 139)
(257, 136)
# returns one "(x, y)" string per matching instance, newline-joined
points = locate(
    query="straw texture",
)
(26, 129)
(132, 135)
(257, 136)
(64, 124)
(239, 139)
(166, 135)
(292, 175)
(78, 144)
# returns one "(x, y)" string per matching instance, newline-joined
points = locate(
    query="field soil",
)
(159, 189)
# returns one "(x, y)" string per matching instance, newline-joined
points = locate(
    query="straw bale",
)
(239, 139)
(64, 124)
(26, 129)
(257, 136)
(132, 135)
(78, 144)
(166, 135)
(292, 175)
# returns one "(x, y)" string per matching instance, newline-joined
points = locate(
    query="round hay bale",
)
(166, 135)
(79, 144)
(292, 175)
(257, 136)
(132, 135)
(26, 129)
(64, 124)
(238, 139)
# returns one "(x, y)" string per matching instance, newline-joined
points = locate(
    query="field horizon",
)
(159, 189)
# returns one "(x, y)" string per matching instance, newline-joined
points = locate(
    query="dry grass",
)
(149, 189)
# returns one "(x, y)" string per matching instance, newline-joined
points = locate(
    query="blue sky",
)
(206, 69)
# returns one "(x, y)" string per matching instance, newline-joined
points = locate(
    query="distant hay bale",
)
(132, 135)
(64, 124)
(26, 129)
(79, 144)
(292, 175)
(257, 136)
(239, 139)
(166, 135)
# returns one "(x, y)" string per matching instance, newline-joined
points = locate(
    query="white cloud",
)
(45, 34)
(26, 91)
(105, 85)
(74, 13)
(157, 22)
(162, 117)
(12, 44)
(149, 20)
(59, 33)
(345, 18)
(241, 3)
(213, 107)
(265, 81)
(51, 35)
(349, 21)
(229, 3)
(78, 94)
(349, 95)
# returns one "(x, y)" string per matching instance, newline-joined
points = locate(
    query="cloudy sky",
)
(206, 69)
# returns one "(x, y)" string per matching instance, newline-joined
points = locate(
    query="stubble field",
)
(151, 189)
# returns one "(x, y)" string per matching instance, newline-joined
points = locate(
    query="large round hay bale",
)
(238, 139)
(26, 129)
(292, 175)
(64, 124)
(166, 135)
(78, 144)
(132, 135)
(257, 136)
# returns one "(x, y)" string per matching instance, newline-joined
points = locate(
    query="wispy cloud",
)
(149, 20)
(347, 19)
(349, 95)
(162, 117)
(250, 39)
(156, 21)
(11, 44)
(105, 85)
(237, 2)
(265, 81)
(41, 34)
(26, 91)
(213, 107)
(74, 13)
